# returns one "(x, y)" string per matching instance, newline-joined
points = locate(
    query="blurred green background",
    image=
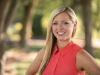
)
(24, 25)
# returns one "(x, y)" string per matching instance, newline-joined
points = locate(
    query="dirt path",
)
(17, 56)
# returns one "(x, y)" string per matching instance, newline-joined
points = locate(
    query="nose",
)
(60, 26)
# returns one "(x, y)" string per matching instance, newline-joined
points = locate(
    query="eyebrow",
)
(62, 21)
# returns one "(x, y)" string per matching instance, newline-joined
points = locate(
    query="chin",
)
(61, 39)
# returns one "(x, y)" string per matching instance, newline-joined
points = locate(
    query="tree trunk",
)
(75, 3)
(10, 16)
(11, 12)
(27, 22)
(3, 11)
(86, 5)
(5, 20)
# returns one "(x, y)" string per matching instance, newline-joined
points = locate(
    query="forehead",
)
(61, 15)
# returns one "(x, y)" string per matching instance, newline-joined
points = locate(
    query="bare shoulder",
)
(85, 61)
(41, 53)
(33, 68)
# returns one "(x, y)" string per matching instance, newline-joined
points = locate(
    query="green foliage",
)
(45, 7)
(80, 29)
(96, 52)
(95, 34)
(44, 23)
(19, 14)
(36, 27)
(96, 16)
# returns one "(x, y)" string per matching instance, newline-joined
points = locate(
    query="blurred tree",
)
(75, 3)
(46, 6)
(29, 10)
(87, 21)
(3, 8)
(36, 28)
(6, 16)
(11, 12)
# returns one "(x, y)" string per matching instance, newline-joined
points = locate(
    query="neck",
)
(61, 44)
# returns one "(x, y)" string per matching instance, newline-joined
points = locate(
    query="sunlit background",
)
(26, 32)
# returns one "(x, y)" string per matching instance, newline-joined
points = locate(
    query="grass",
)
(35, 48)
(20, 67)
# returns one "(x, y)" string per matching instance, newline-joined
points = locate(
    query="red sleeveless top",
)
(63, 61)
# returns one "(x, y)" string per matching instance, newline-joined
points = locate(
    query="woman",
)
(61, 56)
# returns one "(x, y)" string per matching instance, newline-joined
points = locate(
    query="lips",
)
(60, 33)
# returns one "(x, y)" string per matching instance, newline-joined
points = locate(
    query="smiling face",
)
(62, 27)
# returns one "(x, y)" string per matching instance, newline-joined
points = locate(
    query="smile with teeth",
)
(60, 33)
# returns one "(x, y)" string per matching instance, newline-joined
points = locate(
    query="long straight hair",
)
(50, 38)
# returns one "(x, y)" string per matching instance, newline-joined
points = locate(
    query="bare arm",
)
(33, 68)
(85, 61)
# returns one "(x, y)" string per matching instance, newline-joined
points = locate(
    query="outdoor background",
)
(23, 27)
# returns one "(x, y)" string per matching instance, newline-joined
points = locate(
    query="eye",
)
(65, 22)
(55, 23)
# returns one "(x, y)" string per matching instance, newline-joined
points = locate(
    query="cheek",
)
(53, 30)
(71, 27)
(68, 28)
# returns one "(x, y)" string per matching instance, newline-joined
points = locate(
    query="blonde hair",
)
(50, 38)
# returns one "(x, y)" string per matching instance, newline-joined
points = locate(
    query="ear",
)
(75, 24)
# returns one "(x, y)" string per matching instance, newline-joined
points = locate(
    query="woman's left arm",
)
(85, 61)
